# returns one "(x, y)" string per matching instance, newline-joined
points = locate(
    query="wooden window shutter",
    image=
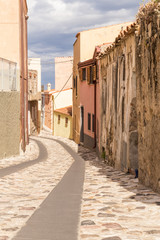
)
(94, 72)
(88, 75)
(80, 74)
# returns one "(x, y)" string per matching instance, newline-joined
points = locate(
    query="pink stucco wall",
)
(87, 101)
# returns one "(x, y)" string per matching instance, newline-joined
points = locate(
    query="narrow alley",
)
(79, 120)
(55, 195)
(26, 185)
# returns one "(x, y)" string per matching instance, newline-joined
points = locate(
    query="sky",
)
(53, 25)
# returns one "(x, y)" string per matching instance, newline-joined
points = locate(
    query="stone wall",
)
(9, 124)
(148, 94)
(118, 101)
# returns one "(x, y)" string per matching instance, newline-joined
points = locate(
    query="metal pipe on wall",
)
(27, 135)
(22, 80)
(95, 113)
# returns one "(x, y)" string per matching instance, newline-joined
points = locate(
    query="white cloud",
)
(53, 24)
(62, 17)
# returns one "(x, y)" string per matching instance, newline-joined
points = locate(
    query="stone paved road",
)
(22, 192)
(115, 206)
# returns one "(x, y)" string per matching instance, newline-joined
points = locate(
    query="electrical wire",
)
(64, 86)
(49, 62)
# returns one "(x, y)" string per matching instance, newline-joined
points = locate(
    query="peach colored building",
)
(63, 72)
(13, 47)
(83, 49)
(61, 96)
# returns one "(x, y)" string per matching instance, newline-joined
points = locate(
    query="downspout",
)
(100, 113)
(53, 115)
(27, 136)
(22, 81)
(95, 112)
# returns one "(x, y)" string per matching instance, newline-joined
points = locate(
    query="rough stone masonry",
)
(148, 93)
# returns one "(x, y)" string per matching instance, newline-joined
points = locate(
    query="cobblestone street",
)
(22, 192)
(114, 205)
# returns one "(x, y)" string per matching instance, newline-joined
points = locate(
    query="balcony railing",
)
(8, 75)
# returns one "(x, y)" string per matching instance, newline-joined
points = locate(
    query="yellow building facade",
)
(63, 122)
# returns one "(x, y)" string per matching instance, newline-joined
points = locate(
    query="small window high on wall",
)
(83, 74)
(59, 119)
(66, 122)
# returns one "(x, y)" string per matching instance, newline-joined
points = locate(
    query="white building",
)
(34, 64)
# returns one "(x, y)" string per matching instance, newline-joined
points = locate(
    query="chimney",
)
(49, 87)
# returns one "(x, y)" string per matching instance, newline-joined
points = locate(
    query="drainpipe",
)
(27, 136)
(95, 113)
(22, 81)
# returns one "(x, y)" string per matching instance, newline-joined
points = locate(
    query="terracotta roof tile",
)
(65, 110)
(124, 33)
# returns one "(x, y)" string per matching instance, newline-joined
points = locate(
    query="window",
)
(66, 122)
(83, 74)
(91, 74)
(89, 121)
(93, 122)
(59, 119)
(80, 74)
(8, 75)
